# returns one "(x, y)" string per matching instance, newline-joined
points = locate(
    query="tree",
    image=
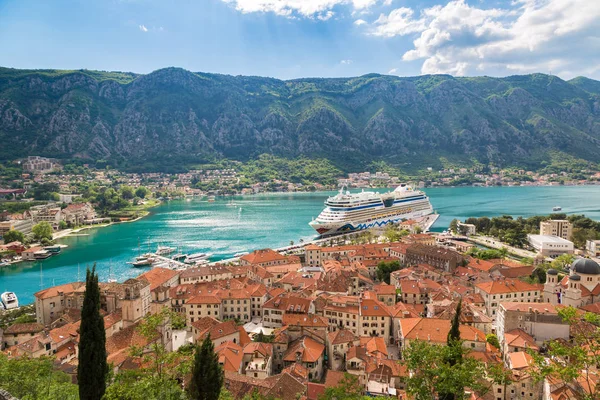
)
(454, 332)
(207, 375)
(14, 236)
(62, 225)
(432, 376)
(573, 363)
(141, 192)
(139, 385)
(493, 340)
(563, 261)
(42, 230)
(453, 226)
(348, 389)
(92, 369)
(385, 268)
(164, 363)
(127, 192)
(35, 379)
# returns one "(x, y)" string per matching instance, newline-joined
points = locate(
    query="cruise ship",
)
(348, 212)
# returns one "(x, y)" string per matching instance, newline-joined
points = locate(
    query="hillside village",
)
(289, 326)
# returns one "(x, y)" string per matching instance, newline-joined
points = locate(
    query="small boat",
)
(164, 250)
(42, 254)
(179, 257)
(197, 257)
(240, 254)
(211, 199)
(143, 261)
(557, 208)
(9, 300)
(53, 249)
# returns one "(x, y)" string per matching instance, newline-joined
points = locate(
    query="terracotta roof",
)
(333, 378)
(341, 336)
(305, 320)
(200, 299)
(312, 247)
(384, 288)
(216, 331)
(404, 310)
(17, 329)
(520, 338)
(54, 291)
(298, 371)
(289, 304)
(230, 356)
(64, 332)
(374, 345)
(507, 286)
(373, 308)
(542, 308)
(244, 338)
(264, 349)
(158, 276)
(481, 265)
(314, 390)
(262, 256)
(436, 330)
(309, 350)
(519, 360)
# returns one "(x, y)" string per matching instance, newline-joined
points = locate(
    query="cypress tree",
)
(454, 333)
(92, 369)
(207, 375)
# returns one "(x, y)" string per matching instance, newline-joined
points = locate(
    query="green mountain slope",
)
(173, 116)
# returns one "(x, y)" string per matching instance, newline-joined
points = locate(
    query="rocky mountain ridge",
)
(177, 116)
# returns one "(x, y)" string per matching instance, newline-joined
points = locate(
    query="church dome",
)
(586, 266)
(552, 271)
(574, 277)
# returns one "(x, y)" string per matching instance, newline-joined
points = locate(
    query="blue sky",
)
(301, 38)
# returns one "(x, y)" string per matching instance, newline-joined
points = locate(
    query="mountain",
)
(174, 116)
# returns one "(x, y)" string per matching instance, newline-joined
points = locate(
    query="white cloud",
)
(392, 71)
(534, 35)
(360, 22)
(346, 62)
(143, 28)
(299, 8)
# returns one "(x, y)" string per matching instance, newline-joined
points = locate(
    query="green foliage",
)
(576, 359)
(453, 226)
(393, 233)
(487, 254)
(207, 375)
(454, 332)
(385, 268)
(262, 338)
(126, 192)
(35, 379)
(432, 373)
(349, 388)
(300, 170)
(45, 191)
(13, 236)
(42, 230)
(492, 339)
(563, 261)
(93, 368)
(164, 364)
(140, 385)
(141, 192)
(21, 314)
(62, 225)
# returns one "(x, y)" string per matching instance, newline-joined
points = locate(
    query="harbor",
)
(265, 221)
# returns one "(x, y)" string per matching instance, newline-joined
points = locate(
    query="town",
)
(292, 325)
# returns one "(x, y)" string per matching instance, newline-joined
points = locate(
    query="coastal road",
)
(496, 244)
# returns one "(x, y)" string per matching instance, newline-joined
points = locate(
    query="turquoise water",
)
(255, 222)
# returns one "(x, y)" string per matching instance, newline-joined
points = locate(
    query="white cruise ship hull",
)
(354, 212)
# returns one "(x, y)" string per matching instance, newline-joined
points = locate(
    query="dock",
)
(172, 264)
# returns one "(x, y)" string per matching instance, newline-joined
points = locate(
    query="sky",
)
(305, 38)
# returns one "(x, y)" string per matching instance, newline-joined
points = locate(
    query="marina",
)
(270, 220)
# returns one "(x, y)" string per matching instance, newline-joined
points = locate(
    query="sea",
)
(245, 223)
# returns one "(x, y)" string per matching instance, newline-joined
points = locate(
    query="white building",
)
(550, 245)
(592, 247)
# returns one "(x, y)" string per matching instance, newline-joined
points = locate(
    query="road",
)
(496, 244)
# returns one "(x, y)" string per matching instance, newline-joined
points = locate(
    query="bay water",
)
(232, 225)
